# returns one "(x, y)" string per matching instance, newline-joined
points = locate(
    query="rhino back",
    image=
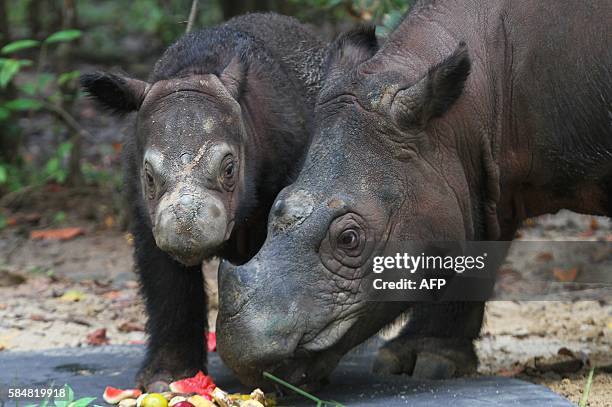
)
(282, 47)
(541, 82)
(292, 43)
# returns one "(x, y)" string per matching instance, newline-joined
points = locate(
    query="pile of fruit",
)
(197, 391)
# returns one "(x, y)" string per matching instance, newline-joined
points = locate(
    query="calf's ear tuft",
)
(118, 94)
(351, 49)
(435, 93)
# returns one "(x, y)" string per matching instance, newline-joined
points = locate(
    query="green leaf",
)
(63, 36)
(29, 88)
(587, 389)
(64, 149)
(68, 77)
(84, 402)
(18, 46)
(8, 69)
(23, 104)
(52, 166)
(67, 399)
(44, 79)
(4, 113)
(3, 174)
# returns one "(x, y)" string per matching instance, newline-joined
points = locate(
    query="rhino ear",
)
(435, 93)
(233, 77)
(351, 49)
(117, 93)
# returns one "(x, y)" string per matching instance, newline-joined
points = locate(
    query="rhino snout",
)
(253, 335)
(191, 226)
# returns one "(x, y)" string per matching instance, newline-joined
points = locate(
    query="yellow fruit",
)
(199, 401)
(154, 400)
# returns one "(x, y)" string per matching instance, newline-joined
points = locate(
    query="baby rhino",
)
(221, 126)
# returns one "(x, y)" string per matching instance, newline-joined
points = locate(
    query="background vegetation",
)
(50, 135)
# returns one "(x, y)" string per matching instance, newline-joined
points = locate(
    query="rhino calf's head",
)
(189, 154)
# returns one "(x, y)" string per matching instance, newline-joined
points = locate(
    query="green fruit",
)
(154, 400)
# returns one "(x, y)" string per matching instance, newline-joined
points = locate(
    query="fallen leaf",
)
(72, 296)
(97, 337)
(131, 327)
(23, 218)
(544, 256)
(109, 221)
(594, 224)
(112, 295)
(565, 275)
(56, 234)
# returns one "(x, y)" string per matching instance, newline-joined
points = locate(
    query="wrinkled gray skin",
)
(426, 139)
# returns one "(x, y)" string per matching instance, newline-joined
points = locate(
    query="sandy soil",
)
(56, 294)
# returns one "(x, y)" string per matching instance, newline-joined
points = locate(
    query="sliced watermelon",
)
(199, 384)
(211, 342)
(113, 396)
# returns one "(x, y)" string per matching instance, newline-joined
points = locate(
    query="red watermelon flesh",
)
(199, 384)
(113, 395)
(211, 342)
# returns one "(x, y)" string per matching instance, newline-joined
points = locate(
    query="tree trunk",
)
(34, 19)
(69, 20)
(5, 32)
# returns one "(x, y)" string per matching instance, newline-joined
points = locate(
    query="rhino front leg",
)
(437, 342)
(175, 303)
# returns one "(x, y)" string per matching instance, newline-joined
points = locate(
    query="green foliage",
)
(21, 104)
(63, 36)
(9, 67)
(55, 169)
(33, 94)
(386, 14)
(18, 46)
(16, 176)
(587, 389)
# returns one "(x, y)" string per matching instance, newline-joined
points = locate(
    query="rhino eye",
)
(348, 240)
(228, 172)
(151, 189)
(345, 248)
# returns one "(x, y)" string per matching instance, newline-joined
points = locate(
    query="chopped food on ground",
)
(197, 391)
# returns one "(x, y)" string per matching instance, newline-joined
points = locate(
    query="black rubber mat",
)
(89, 370)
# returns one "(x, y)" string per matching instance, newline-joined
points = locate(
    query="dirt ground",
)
(83, 292)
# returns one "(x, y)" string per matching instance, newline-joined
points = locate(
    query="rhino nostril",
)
(215, 212)
(279, 207)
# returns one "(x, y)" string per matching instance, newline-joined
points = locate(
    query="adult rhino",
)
(473, 116)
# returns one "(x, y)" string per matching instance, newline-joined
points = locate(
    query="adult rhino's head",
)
(189, 157)
(383, 167)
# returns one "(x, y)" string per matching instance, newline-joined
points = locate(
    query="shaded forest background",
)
(51, 136)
